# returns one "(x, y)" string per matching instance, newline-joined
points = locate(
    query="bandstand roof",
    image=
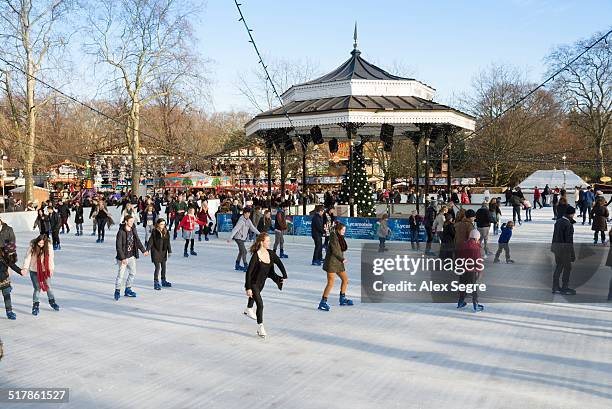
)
(358, 92)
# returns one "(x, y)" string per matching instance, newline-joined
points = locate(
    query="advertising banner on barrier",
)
(225, 222)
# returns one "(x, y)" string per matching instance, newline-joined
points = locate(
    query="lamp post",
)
(4, 157)
(564, 170)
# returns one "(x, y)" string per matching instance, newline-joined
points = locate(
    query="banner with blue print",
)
(301, 225)
(225, 222)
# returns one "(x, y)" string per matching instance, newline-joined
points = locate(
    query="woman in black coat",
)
(160, 248)
(43, 223)
(78, 218)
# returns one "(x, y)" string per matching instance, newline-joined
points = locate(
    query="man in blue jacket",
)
(587, 203)
(317, 231)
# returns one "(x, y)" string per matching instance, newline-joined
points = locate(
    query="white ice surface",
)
(191, 347)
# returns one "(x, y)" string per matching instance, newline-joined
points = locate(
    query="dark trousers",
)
(469, 277)
(101, 227)
(317, 255)
(242, 252)
(381, 243)
(203, 230)
(516, 213)
(188, 243)
(55, 237)
(177, 221)
(6, 294)
(414, 238)
(505, 247)
(603, 236)
(160, 266)
(585, 210)
(169, 221)
(544, 200)
(429, 231)
(563, 270)
(536, 202)
(256, 298)
(65, 223)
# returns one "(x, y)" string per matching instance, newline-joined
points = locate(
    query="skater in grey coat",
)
(239, 234)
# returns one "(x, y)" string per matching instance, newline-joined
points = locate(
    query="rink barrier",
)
(356, 227)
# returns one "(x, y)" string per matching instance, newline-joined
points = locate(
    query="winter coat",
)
(253, 278)
(505, 235)
(64, 211)
(159, 246)
(462, 232)
(189, 223)
(121, 245)
(152, 217)
(5, 280)
(334, 257)
(563, 239)
(256, 217)
(600, 217)
(561, 209)
(515, 201)
(265, 224)
(31, 263)
(483, 217)
(55, 220)
(317, 228)
(438, 224)
(78, 215)
(7, 235)
(242, 228)
(280, 222)
(430, 216)
(383, 230)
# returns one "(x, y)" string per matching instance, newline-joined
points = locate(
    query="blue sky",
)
(443, 43)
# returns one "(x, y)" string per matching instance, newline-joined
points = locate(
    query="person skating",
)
(430, 217)
(204, 216)
(586, 204)
(334, 264)
(40, 263)
(383, 232)
(92, 215)
(563, 248)
(149, 219)
(8, 262)
(101, 218)
(470, 250)
(280, 227)
(180, 210)
(63, 209)
(600, 217)
(42, 223)
(483, 224)
(265, 223)
(503, 242)
(329, 218)
(55, 222)
(527, 208)
(516, 202)
(413, 224)
(261, 267)
(239, 234)
(536, 197)
(447, 238)
(316, 231)
(127, 245)
(78, 218)
(160, 249)
(188, 225)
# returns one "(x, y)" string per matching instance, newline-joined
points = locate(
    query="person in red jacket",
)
(470, 253)
(536, 197)
(188, 225)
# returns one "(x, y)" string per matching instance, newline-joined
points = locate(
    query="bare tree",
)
(517, 133)
(586, 89)
(143, 42)
(283, 73)
(29, 35)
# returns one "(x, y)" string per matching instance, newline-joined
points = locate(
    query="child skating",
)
(127, 245)
(188, 225)
(504, 242)
(261, 267)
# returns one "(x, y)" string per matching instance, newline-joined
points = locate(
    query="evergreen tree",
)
(361, 188)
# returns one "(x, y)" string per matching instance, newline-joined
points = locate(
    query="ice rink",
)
(190, 346)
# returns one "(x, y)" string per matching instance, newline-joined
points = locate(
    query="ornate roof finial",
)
(355, 37)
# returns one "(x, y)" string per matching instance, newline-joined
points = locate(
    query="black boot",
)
(54, 305)
(35, 308)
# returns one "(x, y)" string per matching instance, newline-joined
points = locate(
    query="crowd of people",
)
(460, 232)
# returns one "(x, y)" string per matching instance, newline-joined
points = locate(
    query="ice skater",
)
(39, 262)
(78, 218)
(239, 234)
(127, 245)
(470, 250)
(160, 248)
(8, 261)
(334, 264)
(261, 267)
(188, 226)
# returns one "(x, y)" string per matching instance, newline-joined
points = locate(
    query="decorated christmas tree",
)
(362, 193)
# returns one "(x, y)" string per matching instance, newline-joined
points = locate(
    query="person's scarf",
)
(342, 242)
(43, 271)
